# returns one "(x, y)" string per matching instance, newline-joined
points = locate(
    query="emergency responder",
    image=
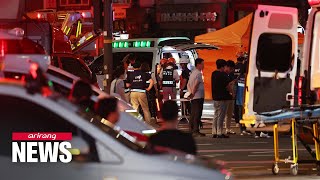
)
(184, 78)
(169, 78)
(137, 81)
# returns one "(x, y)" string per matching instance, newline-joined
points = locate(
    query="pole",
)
(107, 33)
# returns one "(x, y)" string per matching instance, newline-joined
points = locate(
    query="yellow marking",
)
(107, 41)
(276, 143)
(316, 144)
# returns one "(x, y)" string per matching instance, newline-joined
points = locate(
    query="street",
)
(250, 158)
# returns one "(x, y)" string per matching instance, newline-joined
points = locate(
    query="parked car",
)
(74, 65)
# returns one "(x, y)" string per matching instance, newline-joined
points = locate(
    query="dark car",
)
(73, 65)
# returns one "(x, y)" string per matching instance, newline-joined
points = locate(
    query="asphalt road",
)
(250, 158)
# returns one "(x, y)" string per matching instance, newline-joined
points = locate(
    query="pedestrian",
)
(137, 81)
(230, 101)
(117, 85)
(168, 135)
(240, 73)
(169, 78)
(151, 95)
(196, 90)
(220, 95)
(107, 108)
(184, 78)
(81, 93)
(128, 62)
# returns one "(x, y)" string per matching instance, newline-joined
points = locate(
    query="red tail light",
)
(314, 2)
(300, 90)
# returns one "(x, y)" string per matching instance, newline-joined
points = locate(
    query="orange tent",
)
(231, 39)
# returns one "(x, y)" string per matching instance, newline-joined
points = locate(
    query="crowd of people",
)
(146, 91)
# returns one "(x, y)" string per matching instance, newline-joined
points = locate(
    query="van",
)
(272, 64)
(310, 69)
(151, 50)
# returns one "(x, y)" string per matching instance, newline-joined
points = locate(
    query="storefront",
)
(240, 8)
(190, 19)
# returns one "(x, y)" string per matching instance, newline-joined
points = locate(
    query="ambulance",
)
(273, 73)
(151, 50)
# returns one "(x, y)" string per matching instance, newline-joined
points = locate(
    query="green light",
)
(87, 109)
(148, 44)
(143, 43)
(137, 44)
(50, 84)
(126, 44)
(121, 44)
(115, 45)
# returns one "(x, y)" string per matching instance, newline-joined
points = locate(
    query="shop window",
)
(274, 52)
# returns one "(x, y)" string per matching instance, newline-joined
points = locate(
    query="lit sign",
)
(133, 44)
(189, 17)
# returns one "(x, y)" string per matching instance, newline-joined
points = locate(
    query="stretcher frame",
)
(305, 116)
(294, 161)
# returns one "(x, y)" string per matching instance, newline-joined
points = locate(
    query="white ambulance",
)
(151, 50)
(272, 76)
(272, 63)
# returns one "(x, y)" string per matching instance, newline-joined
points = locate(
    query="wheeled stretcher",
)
(304, 123)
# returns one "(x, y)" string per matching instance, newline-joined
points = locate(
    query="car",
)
(75, 65)
(103, 152)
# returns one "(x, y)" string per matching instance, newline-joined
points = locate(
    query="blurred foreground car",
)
(102, 151)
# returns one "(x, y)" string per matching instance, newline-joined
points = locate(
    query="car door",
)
(34, 117)
(272, 59)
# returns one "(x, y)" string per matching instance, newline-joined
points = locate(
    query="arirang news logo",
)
(41, 147)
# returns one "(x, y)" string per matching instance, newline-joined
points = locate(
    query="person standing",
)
(169, 77)
(196, 89)
(137, 82)
(220, 95)
(168, 135)
(184, 78)
(151, 95)
(117, 85)
(230, 102)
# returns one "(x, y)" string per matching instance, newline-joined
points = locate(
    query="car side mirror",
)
(79, 146)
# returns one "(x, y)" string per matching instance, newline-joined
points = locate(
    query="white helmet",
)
(184, 59)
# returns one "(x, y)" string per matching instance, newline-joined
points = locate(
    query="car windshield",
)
(112, 131)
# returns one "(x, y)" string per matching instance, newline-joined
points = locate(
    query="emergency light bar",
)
(314, 3)
(133, 44)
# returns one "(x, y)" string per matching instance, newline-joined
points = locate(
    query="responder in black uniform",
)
(169, 77)
(137, 81)
(184, 78)
(151, 95)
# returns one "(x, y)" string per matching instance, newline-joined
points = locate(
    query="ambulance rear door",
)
(272, 60)
(311, 61)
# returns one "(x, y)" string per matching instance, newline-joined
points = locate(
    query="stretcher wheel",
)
(294, 169)
(275, 169)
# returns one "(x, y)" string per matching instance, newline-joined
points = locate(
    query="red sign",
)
(41, 136)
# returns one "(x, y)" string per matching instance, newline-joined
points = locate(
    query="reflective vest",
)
(167, 78)
(239, 73)
(138, 81)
